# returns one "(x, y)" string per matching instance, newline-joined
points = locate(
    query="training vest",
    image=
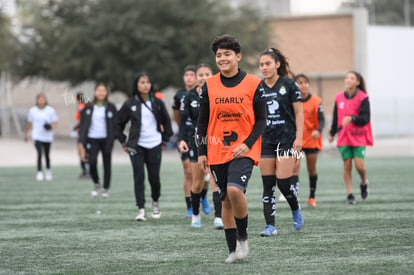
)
(351, 134)
(311, 123)
(231, 119)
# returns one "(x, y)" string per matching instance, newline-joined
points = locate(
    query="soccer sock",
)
(312, 185)
(269, 200)
(231, 238)
(217, 204)
(82, 164)
(241, 228)
(195, 201)
(188, 201)
(204, 193)
(294, 180)
(289, 191)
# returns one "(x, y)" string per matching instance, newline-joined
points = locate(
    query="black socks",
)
(241, 228)
(312, 185)
(188, 201)
(204, 193)
(195, 201)
(269, 200)
(217, 204)
(289, 191)
(231, 238)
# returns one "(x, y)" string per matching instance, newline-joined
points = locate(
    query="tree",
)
(8, 42)
(105, 40)
(385, 12)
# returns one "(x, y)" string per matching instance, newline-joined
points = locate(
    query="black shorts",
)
(234, 173)
(310, 151)
(192, 152)
(271, 150)
(183, 156)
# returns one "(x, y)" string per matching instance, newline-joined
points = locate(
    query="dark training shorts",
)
(271, 150)
(234, 173)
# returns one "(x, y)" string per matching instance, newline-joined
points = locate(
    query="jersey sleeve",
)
(294, 92)
(53, 115)
(183, 118)
(176, 101)
(321, 118)
(203, 120)
(30, 115)
(364, 114)
(334, 126)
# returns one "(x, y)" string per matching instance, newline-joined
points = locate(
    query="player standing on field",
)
(282, 138)
(351, 121)
(231, 120)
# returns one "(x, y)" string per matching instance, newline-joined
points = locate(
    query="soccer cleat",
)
(156, 212)
(268, 231)
(48, 175)
(281, 198)
(206, 206)
(40, 176)
(231, 258)
(189, 213)
(196, 221)
(350, 199)
(84, 176)
(297, 219)
(364, 190)
(242, 250)
(105, 194)
(95, 192)
(312, 202)
(218, 223)
(141, 215)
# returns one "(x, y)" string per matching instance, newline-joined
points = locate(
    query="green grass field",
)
(54, 227)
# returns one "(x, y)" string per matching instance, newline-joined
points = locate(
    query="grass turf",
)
(55, 227)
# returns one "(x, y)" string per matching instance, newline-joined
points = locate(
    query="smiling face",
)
(41, 101)
(101, 93)
(351, 82)
(268, 66)
(202, 74)
(227, 62)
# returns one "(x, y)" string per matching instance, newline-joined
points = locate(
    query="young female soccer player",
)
(282, 138)
(42, 119)
(150, 127)
(97, 133)
(187, 145)
(80, 102)
(351, 121)
(231, 120)
(314, 121)
(190, 82)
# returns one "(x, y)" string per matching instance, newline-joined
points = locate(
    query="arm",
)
(364, 114)
(176, 116)
(259, 107)
(202, 125)
(321, 122)
(26, 130)
(334, 126)
(167, 131)
(122, 120)
(298, 108)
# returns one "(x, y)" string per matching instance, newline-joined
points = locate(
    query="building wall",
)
(321, 47)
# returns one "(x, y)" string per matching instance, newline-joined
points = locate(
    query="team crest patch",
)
(282, 90)
(88, 112)
(134, 108)
(110, 114)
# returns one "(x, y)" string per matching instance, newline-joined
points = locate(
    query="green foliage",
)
(8, 42)
(110, 41)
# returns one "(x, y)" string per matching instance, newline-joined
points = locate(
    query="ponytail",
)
(277, 55)
(361, 80)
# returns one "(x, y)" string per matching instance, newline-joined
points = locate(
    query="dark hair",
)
(225, 41)
(361, 80)
(277, 55)
(41, 95)
(302, 76)
(135, 84)
(81, 97)
(203, 65)
(106, 88)
(191, 68)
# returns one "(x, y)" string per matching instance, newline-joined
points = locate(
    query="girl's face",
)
(101, 93)
(351, 81)
(41, 101)
(303, 85)
(227, 61)
(202, 74)
(268, 66)
(189, 79)
(144, 85)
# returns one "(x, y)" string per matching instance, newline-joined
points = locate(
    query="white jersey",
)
(149, 137)
(38, 118)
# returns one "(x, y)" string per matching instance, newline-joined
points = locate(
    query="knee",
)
(360, 167)
(233, 191)
(347, 166)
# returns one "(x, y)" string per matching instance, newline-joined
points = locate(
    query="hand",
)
(26, 139)
(82, 152)
(297, 145)
(315, 134)
(346, 120)
(162, 128)
(330, 139)
(202, 162)
(183, 147)
(47, 126)
(240, 151)
(125, 149)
